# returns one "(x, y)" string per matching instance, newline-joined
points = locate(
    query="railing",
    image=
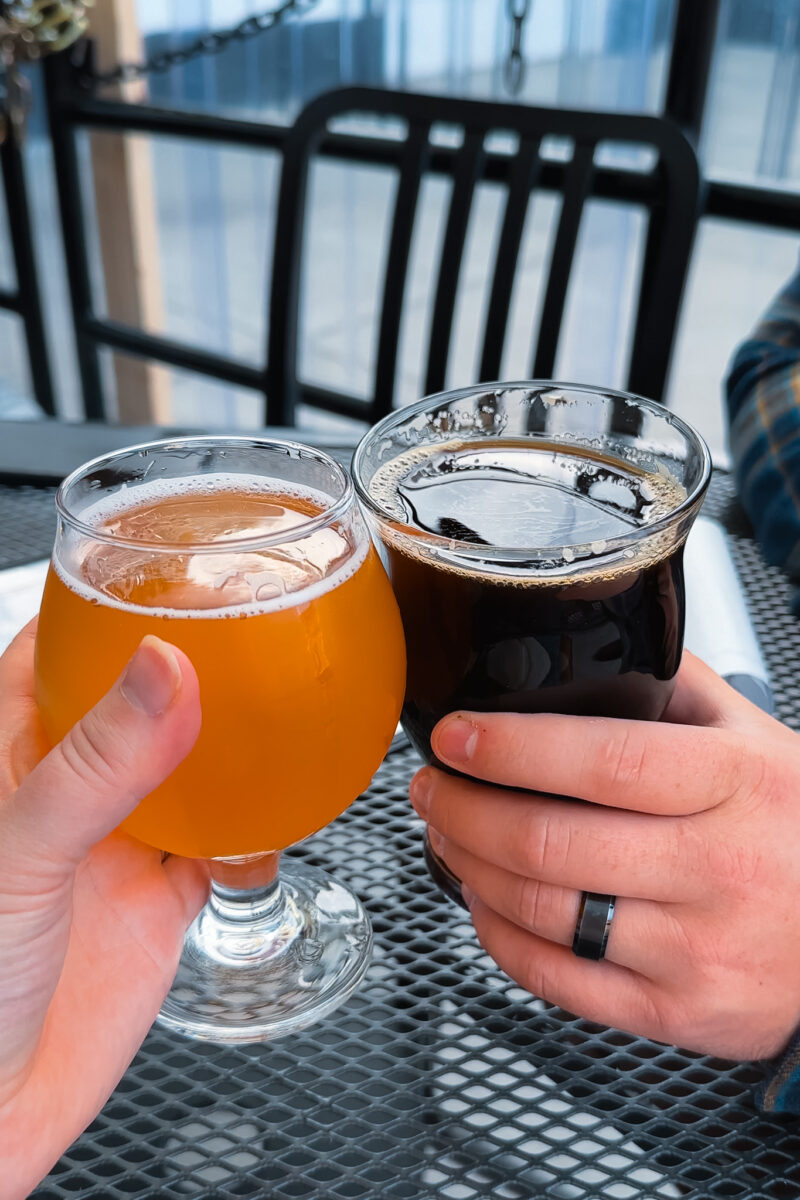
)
(24, 299)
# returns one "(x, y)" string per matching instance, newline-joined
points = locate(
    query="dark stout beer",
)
(524, 601)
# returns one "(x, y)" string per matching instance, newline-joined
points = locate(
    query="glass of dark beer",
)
(533, 533)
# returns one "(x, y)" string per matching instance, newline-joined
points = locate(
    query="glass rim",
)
(487, 554)
(322, 520)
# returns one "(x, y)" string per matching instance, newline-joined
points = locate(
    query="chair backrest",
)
(669, 191)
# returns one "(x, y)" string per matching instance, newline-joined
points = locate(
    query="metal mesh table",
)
(440, 1078)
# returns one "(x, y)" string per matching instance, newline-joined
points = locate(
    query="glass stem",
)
(249, 915)
(246, 888)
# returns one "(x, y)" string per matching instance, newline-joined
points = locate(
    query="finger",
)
(153, 901)
(565, 842)
(599, 991)
(695, 700)
(646, 766)
(643, 935)
(189, 879)
(118, 753)
(702, 697)
(16, 669)
(22, 739)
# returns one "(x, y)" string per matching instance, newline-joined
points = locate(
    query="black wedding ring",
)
(593, 925)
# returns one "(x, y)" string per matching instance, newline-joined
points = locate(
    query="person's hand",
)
(693, 823)
(91, 922)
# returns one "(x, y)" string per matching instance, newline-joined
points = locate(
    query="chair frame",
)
(669, 192)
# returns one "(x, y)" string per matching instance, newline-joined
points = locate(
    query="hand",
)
(91, 922)
(693, 823)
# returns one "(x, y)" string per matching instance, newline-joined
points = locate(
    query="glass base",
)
(242, 979)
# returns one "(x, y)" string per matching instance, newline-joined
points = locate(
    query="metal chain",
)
(209, 43)
(514, 71)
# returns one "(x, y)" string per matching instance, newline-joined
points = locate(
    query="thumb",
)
(115, 755)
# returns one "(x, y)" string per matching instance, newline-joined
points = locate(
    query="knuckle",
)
(513, 749)
(716, 861)
(535, 906)
(501, 751)
(621, 762)
(730, 862)
(745, 771)
(744, 864)
(545, 842)
(92, 751)
(679, 937)
(444, 797)
(707, 952)
(736, 866)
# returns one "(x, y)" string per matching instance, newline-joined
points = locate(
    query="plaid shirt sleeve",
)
(763, 398)
(780, 1091)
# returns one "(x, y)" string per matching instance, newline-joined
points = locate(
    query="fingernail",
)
(436, 840)
(467, 894)
(420, 794)
(152, 678)
(455, 739)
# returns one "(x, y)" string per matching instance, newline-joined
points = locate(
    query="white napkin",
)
(20, 597)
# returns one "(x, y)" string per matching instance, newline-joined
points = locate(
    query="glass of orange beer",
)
(251, 556)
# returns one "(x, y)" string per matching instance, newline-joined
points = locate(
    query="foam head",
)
(209, 545)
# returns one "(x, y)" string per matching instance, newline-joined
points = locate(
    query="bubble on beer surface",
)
(523, 495)
(223, 578)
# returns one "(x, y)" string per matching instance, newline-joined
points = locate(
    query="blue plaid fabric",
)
(780, 1091)
(763, 397)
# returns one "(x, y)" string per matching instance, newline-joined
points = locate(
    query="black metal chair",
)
(668, 191)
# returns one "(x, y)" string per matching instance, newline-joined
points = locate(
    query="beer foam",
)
(633, 496)
(210, 568)
(155, 491)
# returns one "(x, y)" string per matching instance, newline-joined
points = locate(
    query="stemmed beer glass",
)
(251, 556)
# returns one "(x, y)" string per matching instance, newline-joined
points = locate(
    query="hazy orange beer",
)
(289, 621)
(252, 556)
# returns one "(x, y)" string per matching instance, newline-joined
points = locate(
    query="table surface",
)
(440, 1078)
